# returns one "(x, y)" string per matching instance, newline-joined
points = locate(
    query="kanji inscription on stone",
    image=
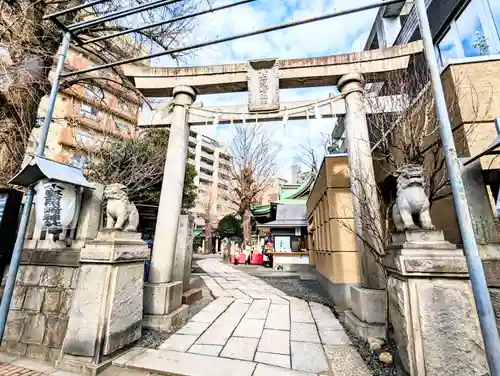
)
(52, 207)
(263, 85)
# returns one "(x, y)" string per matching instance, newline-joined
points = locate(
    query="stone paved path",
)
(253, 329)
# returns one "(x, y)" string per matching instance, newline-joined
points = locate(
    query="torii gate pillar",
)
(368, 302)
(163, 297)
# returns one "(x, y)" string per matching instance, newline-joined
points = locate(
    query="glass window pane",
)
(495, 10)
(471, 32)
(447, 48)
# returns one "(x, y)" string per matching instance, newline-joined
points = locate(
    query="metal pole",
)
(18, 246)
(239, 36)
(53, 95)
(476, 272)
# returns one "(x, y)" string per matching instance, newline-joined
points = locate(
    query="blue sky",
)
(328, 37)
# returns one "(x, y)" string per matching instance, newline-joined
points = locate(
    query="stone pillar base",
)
(368, 314)
(191, 296)
(106, 313)
(162, 305)
(165, 322)
(81, 365)
(363, 329)
(431, 307)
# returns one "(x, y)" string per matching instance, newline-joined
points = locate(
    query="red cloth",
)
(257, 259)
(242, 259)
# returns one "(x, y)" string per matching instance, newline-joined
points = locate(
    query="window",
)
(474, 32)
(83, 134)
(40, 121)
(121, 125)
(447, 48)
(471, 32)
(124, 106)
(94, 92)
(79, 161)
(495, 11)
(89, 111)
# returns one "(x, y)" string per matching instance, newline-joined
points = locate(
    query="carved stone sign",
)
(263, 85)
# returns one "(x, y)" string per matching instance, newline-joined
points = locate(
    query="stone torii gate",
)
(262, 79)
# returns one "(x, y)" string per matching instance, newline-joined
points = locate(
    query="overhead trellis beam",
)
(233, 37)
(120, 14)
(74, 9)
(165, 22)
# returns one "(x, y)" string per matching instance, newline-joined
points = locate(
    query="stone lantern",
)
(58, 192)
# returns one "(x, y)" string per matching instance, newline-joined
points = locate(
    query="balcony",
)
(223, 186)
(224, 166)
(209, 149)
(225, 157)
(206, 177)
(206, 155)
(207, 166)
(204, 181)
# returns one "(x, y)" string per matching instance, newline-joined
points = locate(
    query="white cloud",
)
(329, 37)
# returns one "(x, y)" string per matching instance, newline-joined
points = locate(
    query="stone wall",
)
(45, 285)
(39, 311)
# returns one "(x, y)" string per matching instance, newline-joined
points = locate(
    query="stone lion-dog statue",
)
(120, 211)
(411, 199)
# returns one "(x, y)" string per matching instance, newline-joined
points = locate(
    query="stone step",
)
(142, 362)
(192, 295)
(165, 362)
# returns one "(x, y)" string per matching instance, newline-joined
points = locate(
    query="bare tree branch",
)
(253, 166)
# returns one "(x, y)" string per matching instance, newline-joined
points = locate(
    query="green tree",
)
(229, 226)
(138, 163)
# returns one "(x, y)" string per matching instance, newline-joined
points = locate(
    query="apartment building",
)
(212, 164)
(460, 28)
(87, 116)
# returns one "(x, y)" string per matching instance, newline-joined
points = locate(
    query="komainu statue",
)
(120, 211)
(411, 199)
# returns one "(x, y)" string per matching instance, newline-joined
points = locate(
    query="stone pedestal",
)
(107, 307)
(431, 307)
(368, 314)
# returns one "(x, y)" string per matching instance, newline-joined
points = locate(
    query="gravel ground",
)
(312, 291)
(151, 339)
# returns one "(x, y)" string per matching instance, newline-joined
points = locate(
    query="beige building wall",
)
(331, 229)
(212, 163)
(472, 91)
(272, 192)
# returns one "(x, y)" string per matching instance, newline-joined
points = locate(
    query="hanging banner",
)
(56, 205)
